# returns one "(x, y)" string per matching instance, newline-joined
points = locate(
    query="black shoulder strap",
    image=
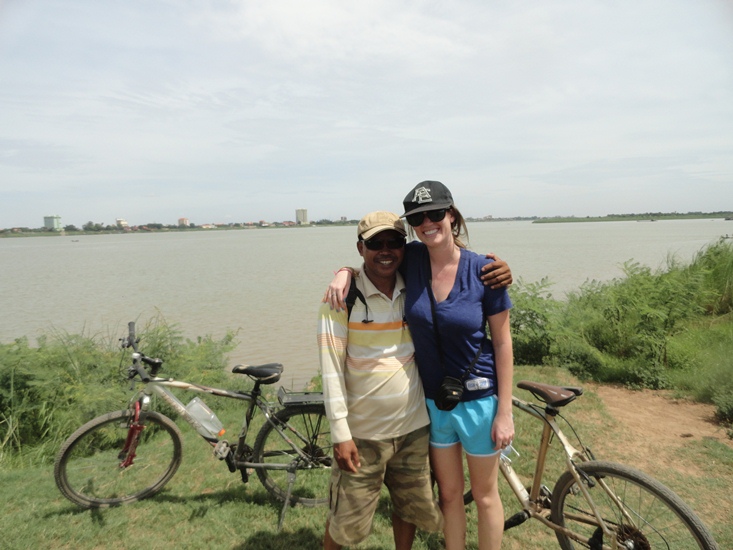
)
(351, 297)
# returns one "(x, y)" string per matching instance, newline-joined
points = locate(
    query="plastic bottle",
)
(212, 426)
(506, 451)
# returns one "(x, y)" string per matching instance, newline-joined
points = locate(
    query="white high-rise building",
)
(301, 216)
(52, 222)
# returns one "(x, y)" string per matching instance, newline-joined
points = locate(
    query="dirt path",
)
(659, 429)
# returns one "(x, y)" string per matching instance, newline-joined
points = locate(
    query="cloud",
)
(529, 108)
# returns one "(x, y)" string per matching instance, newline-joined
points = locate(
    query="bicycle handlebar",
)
(137, 357)
(130, 341)
(141, 371)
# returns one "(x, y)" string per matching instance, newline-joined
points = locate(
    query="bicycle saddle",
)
(554, 396)
(265, 374)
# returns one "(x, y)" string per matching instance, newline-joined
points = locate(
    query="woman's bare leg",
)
(447, 465)
(484, 475)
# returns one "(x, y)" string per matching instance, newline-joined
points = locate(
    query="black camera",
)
(449, 394)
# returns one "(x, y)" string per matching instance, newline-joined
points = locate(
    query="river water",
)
(266, 284)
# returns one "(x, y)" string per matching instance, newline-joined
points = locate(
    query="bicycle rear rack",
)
(288, 398)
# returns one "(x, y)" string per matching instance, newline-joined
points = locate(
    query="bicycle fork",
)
(127, 454)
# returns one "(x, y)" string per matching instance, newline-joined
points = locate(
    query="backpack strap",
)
(351, 297)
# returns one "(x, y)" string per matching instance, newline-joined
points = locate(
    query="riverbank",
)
(98, 229)
(158, 228)
(646, 217)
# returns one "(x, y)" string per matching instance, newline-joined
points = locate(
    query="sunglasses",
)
(433, 215)
(392, 244)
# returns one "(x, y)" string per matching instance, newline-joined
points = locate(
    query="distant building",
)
(122, 223)
(52, 222)
(301, 216)
(183, 222)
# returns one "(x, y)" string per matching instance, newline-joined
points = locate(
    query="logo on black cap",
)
(422, 194)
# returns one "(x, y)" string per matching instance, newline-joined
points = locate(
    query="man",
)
(374, 399)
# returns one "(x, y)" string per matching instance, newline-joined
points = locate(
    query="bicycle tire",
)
(308, 427)
(88, 467)
(653, 516)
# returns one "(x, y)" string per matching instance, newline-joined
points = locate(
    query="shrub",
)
(715, 264)
(645, 329)
(579, 357)
(532, 321)
(49, 391)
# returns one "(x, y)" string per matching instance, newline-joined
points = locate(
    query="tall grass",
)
(668, 328)
(49, 390)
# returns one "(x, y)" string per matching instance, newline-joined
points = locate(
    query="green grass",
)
(206, 506)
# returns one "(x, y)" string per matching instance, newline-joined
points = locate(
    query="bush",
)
(579, 357)
(49, 391)
(532, 321)
(642, 330)
(715, 264)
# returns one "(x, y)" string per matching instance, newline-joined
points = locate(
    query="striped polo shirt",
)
(371, 386)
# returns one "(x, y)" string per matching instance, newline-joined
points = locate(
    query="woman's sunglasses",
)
(392, 244)
(433, 215)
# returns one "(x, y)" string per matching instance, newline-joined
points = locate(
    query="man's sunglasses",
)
(433, 215)
(392, 244)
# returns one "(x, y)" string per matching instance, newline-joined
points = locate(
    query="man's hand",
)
(347, 456)
(496, 274)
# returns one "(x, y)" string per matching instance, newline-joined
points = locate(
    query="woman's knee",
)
(487, 500)
(450, 492)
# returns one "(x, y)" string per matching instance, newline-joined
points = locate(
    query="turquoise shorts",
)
(469, 424)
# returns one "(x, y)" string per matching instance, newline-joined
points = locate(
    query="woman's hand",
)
(496, 274)
(502, 431)
(336, 293)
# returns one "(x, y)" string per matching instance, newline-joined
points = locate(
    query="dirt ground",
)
(658, 428)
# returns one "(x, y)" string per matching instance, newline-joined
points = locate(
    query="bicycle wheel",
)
(307, 428)
(641, 512)
(92, 468)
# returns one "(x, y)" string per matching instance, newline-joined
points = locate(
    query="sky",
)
(233, 111)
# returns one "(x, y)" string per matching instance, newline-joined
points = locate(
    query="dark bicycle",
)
(128, 455)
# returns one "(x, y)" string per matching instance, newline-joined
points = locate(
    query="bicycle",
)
(596, 504)
(128, 455)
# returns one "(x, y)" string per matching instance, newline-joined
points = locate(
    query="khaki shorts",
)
(403, 465)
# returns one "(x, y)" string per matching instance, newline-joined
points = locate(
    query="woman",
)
(448, 309)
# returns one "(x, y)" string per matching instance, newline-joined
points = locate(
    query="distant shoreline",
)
(646, 217)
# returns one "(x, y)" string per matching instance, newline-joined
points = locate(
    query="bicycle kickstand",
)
(291, 482)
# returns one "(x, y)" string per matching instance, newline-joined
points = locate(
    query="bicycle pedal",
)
(222, 449)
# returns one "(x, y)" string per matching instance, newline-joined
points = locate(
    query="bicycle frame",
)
(242, 459)
(160, 387)
(530, 501)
